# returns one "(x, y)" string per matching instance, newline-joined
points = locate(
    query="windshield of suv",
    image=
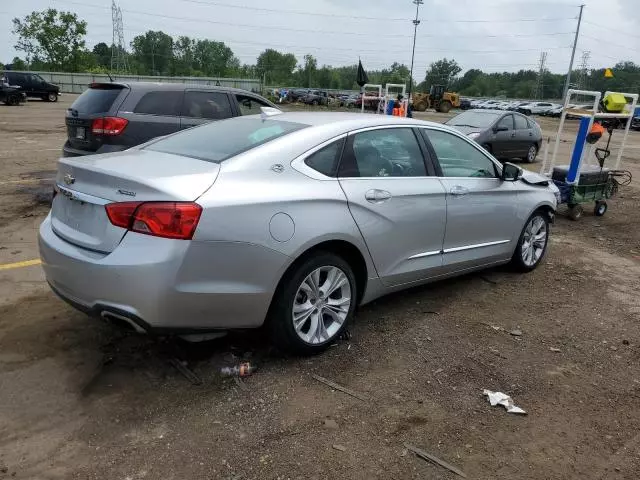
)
(218, 141)
(474, 119)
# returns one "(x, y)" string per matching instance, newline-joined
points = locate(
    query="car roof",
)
(487, 110)
(348, 121)
(155, 86)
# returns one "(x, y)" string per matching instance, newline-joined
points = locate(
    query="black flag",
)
(361, 77)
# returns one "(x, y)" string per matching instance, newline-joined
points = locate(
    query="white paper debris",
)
(499, 398)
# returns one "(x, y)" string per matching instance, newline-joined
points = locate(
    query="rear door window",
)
(210, 105)
(96, 100)
(521, 123)
(325, 160)
(165, 103)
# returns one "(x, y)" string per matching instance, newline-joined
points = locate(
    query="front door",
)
(503, 138)
(482, 223)
(397, 202)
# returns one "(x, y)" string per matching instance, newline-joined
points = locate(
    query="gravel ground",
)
(79, 400)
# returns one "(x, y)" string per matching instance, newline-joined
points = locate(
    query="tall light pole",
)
(416, 22)
(573, 54)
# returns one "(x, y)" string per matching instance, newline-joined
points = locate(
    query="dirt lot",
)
(80, 400)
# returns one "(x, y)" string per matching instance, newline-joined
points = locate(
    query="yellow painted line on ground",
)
(26, 263)
(27, 180)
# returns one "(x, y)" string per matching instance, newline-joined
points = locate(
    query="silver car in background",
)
(288, 219)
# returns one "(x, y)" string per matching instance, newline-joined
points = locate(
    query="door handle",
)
(377, 196)
(513, 134)
(531, 134)
(459, 190)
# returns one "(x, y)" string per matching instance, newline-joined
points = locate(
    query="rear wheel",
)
(532, 244)
(532, 153)
(313, 304)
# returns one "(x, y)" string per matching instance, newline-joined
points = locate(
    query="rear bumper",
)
(165, 286)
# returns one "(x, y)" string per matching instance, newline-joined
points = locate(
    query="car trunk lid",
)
(87, 184)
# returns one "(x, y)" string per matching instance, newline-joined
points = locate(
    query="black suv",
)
(111, 117)
(33, 85)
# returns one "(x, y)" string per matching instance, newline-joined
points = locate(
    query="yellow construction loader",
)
(437, 99)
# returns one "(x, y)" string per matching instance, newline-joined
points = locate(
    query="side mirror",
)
(511, 172)
(500, 129)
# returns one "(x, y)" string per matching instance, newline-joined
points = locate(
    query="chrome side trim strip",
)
(425, 254)
(477, 245)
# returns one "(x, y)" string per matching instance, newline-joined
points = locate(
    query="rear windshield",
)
(96, 100)
(217, 141)
(474, 119)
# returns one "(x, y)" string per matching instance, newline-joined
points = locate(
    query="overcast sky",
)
(493, 35)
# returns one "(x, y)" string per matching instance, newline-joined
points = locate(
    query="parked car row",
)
(524, 107)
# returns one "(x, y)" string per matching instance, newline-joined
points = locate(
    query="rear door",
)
(524, 136)
(151, 114)
(204, 106)
(397, 202)
(502, 144)
(481, 209)
(98, 101)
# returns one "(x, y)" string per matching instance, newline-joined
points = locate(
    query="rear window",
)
(96, 100)
(215, 142)
(165, 103)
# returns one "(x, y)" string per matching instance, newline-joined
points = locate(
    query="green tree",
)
(441, 72)
(102, 53)
(153, 53)
(213, 58)
(308, 71)
(277, 67)
(18, 64)
(55, 39)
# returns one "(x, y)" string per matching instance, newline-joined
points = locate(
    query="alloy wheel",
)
(321, 305)
(531, 155)
(534, 241)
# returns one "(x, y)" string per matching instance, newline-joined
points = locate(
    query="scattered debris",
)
(516, 332)
(625, 342)
(431, 458)
(429, 339)
(340, 387)
(240, 383)
(342, 448)
(431, 312)
(497, 328)
(185, 371)
(242, 370)
(499, 398)
(497, 352)
(554, 349)
(489, 280)
(330, 424)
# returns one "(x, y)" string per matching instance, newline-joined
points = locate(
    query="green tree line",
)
(54, 40)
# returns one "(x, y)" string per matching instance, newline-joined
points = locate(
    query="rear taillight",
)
(176, 220)
(109, 126)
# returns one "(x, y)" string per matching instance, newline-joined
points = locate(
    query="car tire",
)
(51, 97)
(533, 242)
(314, 103)
(532, 153)
(301, 290)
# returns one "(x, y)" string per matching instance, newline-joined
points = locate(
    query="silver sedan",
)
(290, 220)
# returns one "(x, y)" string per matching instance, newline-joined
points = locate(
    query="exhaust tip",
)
(121, 321)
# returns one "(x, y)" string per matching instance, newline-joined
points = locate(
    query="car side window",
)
(530, 123)
(521, 122)
(250, 105)
(211, 105)
(458, 157)
(392, 152)
(326, 159)
(160, 103)
(507, 121)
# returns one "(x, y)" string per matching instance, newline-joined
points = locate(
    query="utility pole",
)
(118, 49)
(573, 54)
(416, 22)
(538, 89)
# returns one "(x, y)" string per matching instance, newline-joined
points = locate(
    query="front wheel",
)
(575, 212)
(52, 97)
(532, 244)
(600, 208)
(313, 304)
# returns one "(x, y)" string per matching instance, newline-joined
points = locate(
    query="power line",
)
(611, 43)
(612, 28)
